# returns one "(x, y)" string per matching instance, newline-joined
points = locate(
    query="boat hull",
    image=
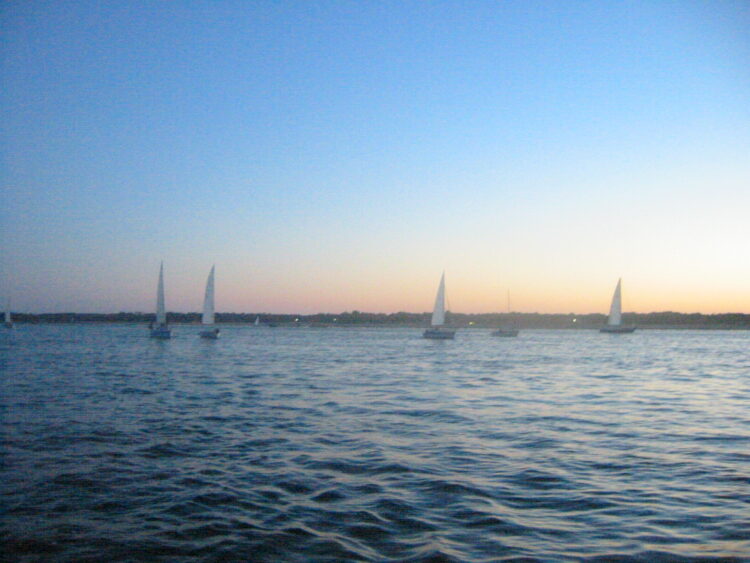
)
(439, 334)
(161, 333)
(210, 334)
(9, 325)
(505, 332)
(617, 329)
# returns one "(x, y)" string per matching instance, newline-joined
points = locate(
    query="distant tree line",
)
(665, 319)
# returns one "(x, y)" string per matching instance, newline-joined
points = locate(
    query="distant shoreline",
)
(660, 320)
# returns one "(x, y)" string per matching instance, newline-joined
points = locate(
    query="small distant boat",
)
(257, 321)
(207, 320)
(160, 329)
(614, 321)
(8, 321)
(438, 330)
(506, 331)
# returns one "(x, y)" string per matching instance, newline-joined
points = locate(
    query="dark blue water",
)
(374, 444)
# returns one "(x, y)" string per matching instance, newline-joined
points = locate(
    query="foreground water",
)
(374, 444)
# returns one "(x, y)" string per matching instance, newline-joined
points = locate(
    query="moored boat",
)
(507, 331)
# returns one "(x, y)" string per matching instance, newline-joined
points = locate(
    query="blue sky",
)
(339, 155)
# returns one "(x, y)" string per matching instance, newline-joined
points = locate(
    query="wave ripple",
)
(374, 445)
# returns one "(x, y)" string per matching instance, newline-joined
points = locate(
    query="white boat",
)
(614, 321)
(257, 321)
(506, 331)
(437, 330)
(207, 320)
(8, 321)
(160, 329)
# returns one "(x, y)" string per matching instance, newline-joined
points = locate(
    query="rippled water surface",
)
(374, 444)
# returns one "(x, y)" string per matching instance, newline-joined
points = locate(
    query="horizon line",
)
(379, 313)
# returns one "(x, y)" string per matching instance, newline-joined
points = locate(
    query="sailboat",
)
(207, 320)
(8, 321)
(160, 329)
(507, 331)
(257, 321)
(438, 330)
(614, 322)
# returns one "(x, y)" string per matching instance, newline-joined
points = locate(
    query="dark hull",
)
(210, 334)
(439, 334)
(161, 333)
(505, 332)
(617, 329)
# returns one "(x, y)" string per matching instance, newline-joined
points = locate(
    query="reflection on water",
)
(374, 444)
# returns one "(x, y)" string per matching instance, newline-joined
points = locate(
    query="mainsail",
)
(615, 310)
(161, 312)
(208, 301)
(438, 312)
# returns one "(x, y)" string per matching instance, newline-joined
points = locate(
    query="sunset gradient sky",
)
(331, 156)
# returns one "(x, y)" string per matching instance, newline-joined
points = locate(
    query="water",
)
(374, 444)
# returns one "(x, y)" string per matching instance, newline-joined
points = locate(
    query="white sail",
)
(615, 310)
(438, 312)
(161, 312)
(257, 321)
(208, 301)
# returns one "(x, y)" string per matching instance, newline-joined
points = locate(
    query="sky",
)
(337, 156)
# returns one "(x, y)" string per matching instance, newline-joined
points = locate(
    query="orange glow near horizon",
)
(464, 296)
